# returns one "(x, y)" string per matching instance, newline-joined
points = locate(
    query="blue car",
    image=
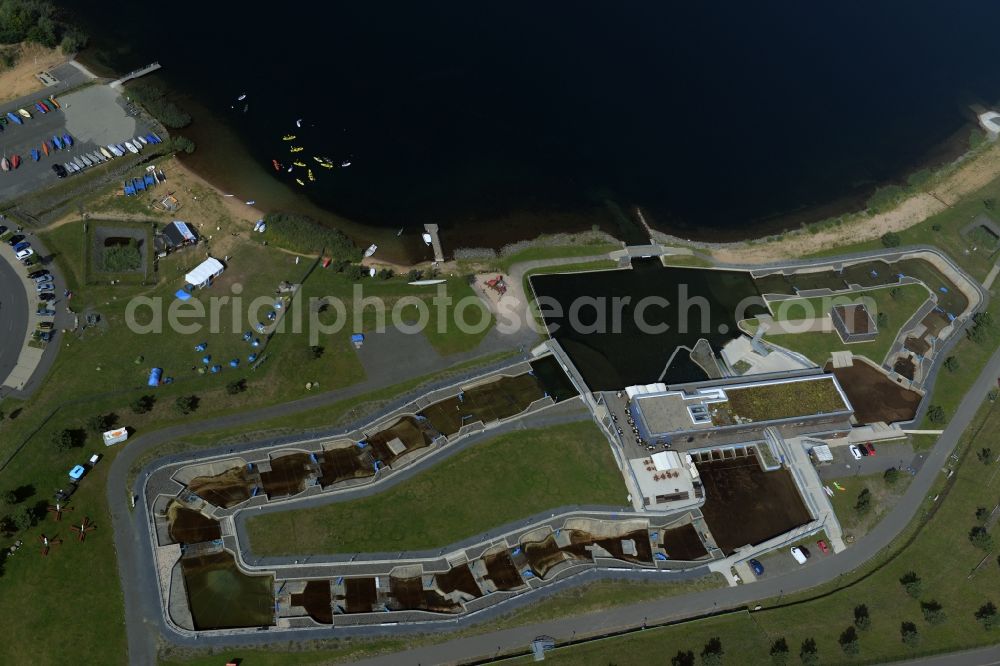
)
(756, 567)
(23, 245)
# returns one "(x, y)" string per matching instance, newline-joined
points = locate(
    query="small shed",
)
(178, 234)
(821, 454)
(205, 272)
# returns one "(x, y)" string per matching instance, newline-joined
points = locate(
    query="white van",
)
(799, 556)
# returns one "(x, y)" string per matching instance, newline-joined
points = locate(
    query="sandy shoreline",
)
(20, 79)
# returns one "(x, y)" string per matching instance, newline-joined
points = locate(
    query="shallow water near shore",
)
(502, 123)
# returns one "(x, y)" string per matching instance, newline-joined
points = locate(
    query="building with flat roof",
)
(739, 411)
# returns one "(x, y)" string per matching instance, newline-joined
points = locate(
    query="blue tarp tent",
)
(182, 294)
(154, 376)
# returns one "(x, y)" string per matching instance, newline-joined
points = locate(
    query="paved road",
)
(989, 656)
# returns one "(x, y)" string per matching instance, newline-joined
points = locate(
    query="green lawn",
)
(556, 252)
(883, 497)
(686, 260)
(940, 554)
(490, 484)
(817, 347)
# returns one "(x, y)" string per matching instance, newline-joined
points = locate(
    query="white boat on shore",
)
(424, 283)
(372, 272)
(371, 250)
(345, 164)
(131, 148)
(428, 241)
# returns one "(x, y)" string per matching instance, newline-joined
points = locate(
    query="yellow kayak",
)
(288, 137)
(299, 164)
(299, 181)
(326, 165)
(311, 176)
(296, 149)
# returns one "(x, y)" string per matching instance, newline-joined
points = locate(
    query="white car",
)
(799, 556)
(855, 452)
(25, 253)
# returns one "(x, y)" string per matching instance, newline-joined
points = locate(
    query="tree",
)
(143, 404)
(952, 364)
(882, 320)
(982, 513)
(985, 455)
(808, 654)
(935, 414)
(987, 615)
(236, 386)
(9, 497)
(864, 502)
(779, 651)
(25, 518)
(895, 293)
(682, 658)
(909, 634)
(315, 351)
(849, 641)
(983, 318)
(891, 239)
(912, 584)
(891, 476)
(862, 620)
(386, 274)
(414, 275)
(933, 612)
(711, 654)
(186, 404)
(356, 272)
(980, 538)
(98, 423)
(73, 41)
(64, 440)
(182, 143)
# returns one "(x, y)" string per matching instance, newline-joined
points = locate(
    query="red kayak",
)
(15, 161)
(45, 147)
(277, 165)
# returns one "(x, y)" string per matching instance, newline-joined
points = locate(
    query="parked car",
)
(3, 230)
(60, 170)
(44, 336)
(40, 272)
(47, 296)
(42, 279)
(23, 245)
(871, 448)
(855, 452)
(756, 567)
(15, 239)
(46, 325)
(863, 449)
(45, 286)
(24, 254)
(799, 556)
(823, 547)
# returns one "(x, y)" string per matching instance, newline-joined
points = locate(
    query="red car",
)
(823, 547)
(870, 447)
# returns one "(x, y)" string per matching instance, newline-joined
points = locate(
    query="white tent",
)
(204, 272)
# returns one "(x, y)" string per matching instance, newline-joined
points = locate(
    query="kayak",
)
(35, 155)
(15, 161)
(107, 153)
(67, 139)
(57, 142)
(45, 147)
(54, 102)
(41, 109)
(24, 114)
(4, 164)
(16, 120)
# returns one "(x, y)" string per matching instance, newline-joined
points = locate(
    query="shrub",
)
(25, 518)
(912, 584)
(985, 455)
(864, 502)
(301, 234)
(933, 612)
(908, 634)
(414, 275)
(156, 102)
(935, 414)
(682, 658)
(182, 144)
(862, 620)
(186, 404)
(236, 386)
(67, 439)
(98, 423)
(884, 199)
(121, 258)
(891, 476)
(779, 651)
(952, 364)
(808, 653)
(712, 653)
(981, 538)
(143, 404)
(987, 615)
(849, 641)
(882, 320)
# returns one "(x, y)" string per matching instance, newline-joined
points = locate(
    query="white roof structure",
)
(642, 389)
(822, 453)
(665, 460)
(204, 272)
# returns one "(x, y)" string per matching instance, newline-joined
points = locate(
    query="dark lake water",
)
(626, 324)
(499, 121)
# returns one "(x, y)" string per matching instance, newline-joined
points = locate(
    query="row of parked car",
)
(860, 451)
(42, 278)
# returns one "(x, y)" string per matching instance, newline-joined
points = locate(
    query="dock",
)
(136, 73)
(432, 229)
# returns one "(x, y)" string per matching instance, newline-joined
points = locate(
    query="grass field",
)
(818, 347)
(883, 497)
(490, 484)
(941, 555)
(556, 252)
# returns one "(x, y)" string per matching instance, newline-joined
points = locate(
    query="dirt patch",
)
(190, 526)
(315, 599)
(744, 505)
(31, 58)
(683, 543)
(226, 490)
(875, 396)
(501, 571)
(905, 366)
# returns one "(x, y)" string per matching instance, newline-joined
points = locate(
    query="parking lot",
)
(898, 454)
(93, 116)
